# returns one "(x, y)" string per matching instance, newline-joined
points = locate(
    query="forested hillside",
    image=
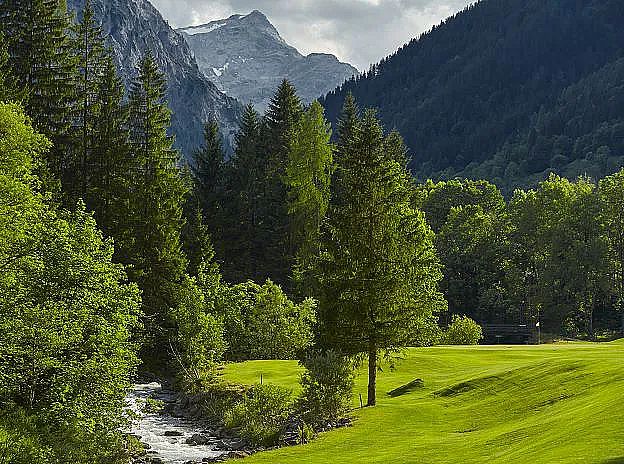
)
(507, 91)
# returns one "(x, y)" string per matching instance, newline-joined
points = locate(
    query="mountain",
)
(507, 91)
(247, 59)
(134, 26)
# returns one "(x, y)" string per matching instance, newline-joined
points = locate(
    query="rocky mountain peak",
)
(134, 26)
(245, 56)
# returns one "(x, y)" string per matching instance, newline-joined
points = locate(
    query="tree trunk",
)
(622, 317)
(372, 375)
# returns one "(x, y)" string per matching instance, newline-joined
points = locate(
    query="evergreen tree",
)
(245, 181)
(208, 175)
(308, 176)
(43, 63)
(378, 274)
(110, 174)
(281, 120)
(8, 89)
(92, 58)
(152, 246)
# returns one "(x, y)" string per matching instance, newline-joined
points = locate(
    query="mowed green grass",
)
(560, 403)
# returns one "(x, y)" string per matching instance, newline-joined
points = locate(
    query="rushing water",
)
(151, 428)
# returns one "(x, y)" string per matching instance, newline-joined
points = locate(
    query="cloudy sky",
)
(358, 31)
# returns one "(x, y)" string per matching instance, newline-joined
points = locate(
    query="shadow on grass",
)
(614, 461)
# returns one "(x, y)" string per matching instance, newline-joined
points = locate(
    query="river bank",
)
(169, 433)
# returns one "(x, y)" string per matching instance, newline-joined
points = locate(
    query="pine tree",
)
(245, 180)
(110, 173)
(153, 245)
(41, 58)
(378, 273)
(308, 176)
(208, 175)
(281, 120)
(8, 89)
(92, 58)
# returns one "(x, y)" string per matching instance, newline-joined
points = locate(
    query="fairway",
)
(560, 403)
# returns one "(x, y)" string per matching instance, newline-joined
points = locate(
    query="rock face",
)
(247, 59)
(135, 26)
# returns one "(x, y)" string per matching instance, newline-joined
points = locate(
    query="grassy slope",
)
(549, 404)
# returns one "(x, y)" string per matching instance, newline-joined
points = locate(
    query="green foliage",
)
(611, 191)
(199, 342)
(261, 322)
(327, 387)
(308, 178)
(91, 57)
(262, 415)
(66, 317)
(151, 241)
(473, 247)
(560, 257)
(462, 331)
(42, 62)
(378, 272)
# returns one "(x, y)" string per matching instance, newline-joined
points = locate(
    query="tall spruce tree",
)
(152, 245)
(111, 167)
(281, 120)
(243, 258)
(42, 61)
(8, 89)
(378, 275)
(308, 178)
(208, 175)
(91, 57)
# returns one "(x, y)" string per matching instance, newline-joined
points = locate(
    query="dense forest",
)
(506, 91)
(116, 256)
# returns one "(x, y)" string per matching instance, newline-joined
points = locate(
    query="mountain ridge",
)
(246, 57)
(134, 26)
(467, 96)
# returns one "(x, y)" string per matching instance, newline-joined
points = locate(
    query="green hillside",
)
(548, 404)
(505, 90)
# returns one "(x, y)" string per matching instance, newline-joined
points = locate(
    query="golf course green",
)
(560, 403)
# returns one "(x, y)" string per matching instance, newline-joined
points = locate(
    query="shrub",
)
(262, 415)
(462, 331)
(199, 338)
(327, 387)
(261, 322)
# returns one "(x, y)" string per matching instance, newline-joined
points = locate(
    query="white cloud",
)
(358, 31)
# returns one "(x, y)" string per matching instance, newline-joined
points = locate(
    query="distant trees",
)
(611, 190)
(538, 110)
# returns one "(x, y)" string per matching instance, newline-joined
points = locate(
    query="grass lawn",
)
(559, 403)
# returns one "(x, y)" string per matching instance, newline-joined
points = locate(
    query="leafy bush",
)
(462, 331)
(261, 322)
(199, 338)
(327, 387)
(262, 415)
(66, 319)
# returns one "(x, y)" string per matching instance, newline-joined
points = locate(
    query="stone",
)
(173, 433)
(198, 440)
